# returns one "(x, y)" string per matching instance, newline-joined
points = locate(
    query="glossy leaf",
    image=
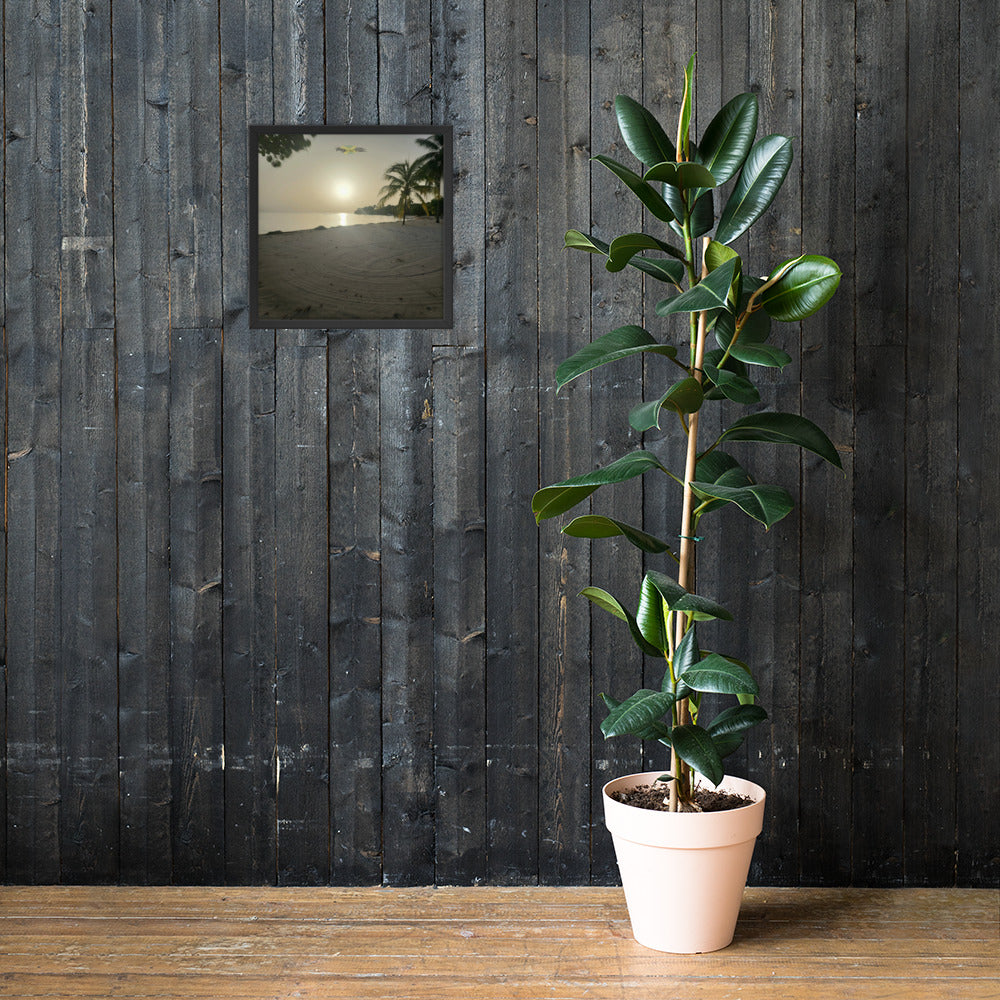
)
(711, 292)
(715, 674)
(703, 215)
(804, 289)
(762, 175)
(671, 271)
(635, 714)
(551, 501)
(765, 355)
(727, 743)
(679, 599)
(624, 342)
(783, 428)
(681, 175)
(718, 467)
(595, 526)
(767, 504)
(756, 329)
(729, 136)
(694, 745)
(646, 194)
(732, 386)
(736, 719)
(575, 240)
(686, 656)
(651, 617)
(642, 133)
(716, 254)
(623, 248)
(713, 358)
(606, 602)
(654, 731)
(684, 396)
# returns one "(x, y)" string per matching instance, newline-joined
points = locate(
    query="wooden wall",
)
(275, 606)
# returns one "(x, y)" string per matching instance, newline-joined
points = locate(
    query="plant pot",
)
(683, 873)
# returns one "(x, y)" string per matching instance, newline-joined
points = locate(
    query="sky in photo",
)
(321, 179)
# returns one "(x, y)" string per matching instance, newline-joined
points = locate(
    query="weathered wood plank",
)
(87, 261)
(88, 661)
(932, 585)
(880, 439)
(142, 338)
(248, 450)
(33, 226)
(459, 474)
(351, 65)
(193, 114)
(827, 499)
(615, 299)
(978, 544)
(511, 324)
(196, 709)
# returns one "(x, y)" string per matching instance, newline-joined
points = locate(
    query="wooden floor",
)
(487, 944)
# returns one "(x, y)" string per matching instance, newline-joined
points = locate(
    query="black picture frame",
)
(343, 292)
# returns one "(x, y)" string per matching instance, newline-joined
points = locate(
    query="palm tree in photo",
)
(406, 182)
(431, 165)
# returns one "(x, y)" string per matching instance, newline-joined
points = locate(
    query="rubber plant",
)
(707, 291)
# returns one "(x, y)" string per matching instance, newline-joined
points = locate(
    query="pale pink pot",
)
(684, 873)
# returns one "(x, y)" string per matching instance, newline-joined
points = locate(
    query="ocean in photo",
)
(291, 222)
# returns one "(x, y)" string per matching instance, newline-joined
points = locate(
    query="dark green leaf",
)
(702, 215)
(685, 656)
(642, 133)
(560, 497)
(767, 504)
(684, 396)
(756, 329)
(646, 194)
(783, 428)
(736, 719)
(679, 599)
(595, 526)
(803, 289)
(579, 241)
(608, 603)
(624, 342)
(732, 386)
(719, 468)
(654, 731)
(727, 744)
(681, 175)
(694, 746)
(728, 138)
(766, 355)
(712, 292)
(636, 714)
(623, 248)
(716, 674)
(651, 617)
(661, 306)
(712, 358)
(671, 271)
(762, 175)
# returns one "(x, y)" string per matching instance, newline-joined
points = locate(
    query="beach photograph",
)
(353, 228)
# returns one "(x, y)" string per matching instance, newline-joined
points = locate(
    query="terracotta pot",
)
(683, 873)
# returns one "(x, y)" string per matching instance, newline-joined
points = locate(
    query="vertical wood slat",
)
(196, 711)
(828, 385)
(880, 438)
(302, 532)
(142, 289)
(564, 563)
(978, 544)
(32, 223)
(511, 443)
(615, 300)
(248, 447)
(931, 594)
(458, 60)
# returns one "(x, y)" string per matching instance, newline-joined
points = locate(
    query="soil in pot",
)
(656, 798)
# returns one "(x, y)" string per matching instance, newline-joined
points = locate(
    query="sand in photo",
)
(378, 271)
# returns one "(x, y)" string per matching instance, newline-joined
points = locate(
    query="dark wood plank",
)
(511, 323)
(458, 38)
(88, 662)
(615, 299)
(3, 546)
(978, 707)
(302, 533)
(195, 220)
(196, 710)
(248, 449)
(142, 339)
(354, 518)
(929, 763)
(565, 448)
(827, 498)
(407, 511)
(880, 438)
(32, 218)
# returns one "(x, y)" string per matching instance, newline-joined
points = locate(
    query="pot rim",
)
(649, 777)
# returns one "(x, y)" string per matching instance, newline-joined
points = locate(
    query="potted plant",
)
(684, 865)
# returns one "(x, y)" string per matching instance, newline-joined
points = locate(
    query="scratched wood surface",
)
(274, 608)
(411, 944)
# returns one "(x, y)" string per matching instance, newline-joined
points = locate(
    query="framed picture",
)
(350, 226)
